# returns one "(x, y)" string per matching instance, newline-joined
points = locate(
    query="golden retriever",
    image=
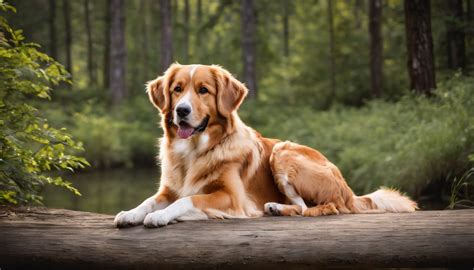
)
(214, 166)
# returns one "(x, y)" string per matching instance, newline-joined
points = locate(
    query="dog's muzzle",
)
(185, 130)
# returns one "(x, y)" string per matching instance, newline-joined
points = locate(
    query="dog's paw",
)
(271, 209)
(129, 218)
(157, 219)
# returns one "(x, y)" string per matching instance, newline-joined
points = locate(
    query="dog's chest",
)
(189, 148)
(191, 167)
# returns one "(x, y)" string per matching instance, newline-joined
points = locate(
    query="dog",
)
(215, 166)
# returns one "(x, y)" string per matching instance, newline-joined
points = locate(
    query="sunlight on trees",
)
(30, 147)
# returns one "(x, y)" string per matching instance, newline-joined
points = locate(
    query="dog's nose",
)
(183, 111)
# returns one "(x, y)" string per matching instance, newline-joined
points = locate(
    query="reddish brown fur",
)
(321, 185)
(237, 184)
(314, 178)
(230, 173)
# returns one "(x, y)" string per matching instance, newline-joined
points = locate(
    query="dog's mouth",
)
(185, 130)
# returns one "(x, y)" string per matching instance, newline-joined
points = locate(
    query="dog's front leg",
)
(133, 217)
(188, 208)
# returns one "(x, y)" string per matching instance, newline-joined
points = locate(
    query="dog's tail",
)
(384, 200)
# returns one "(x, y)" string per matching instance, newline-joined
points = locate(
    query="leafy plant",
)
(461, 190)
(29, 146)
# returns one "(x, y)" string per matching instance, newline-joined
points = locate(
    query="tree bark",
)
(40, 238)
(106, 81)
(332, 55)
(145, 39)
(421, 68)
(286, 28)
(68, 30)
(358, 9)
(376, 47)
(198, 22)
(248, 39)
(166, 35)
(468, 11)
(186, 16)
(90, 47)
(117, 57)
(456, 49)
(52, 30)
(174, 12)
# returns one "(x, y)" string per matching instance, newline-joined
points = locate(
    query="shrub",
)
(122, 137)
(29, 146)
(102, 137)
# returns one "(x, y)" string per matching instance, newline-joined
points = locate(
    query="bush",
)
(122, 137)
(29, 146)
(409, 144)
(102, 137)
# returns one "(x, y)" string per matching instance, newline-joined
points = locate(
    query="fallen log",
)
(62, 239)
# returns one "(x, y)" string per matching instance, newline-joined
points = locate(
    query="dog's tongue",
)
(185, 130)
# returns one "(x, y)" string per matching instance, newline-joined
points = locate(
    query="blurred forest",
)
(384, 88)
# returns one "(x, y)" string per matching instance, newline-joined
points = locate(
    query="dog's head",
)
(193, 97)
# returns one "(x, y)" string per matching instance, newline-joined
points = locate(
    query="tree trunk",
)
(145, 39)
(106, 81)
(248, 38)
(332, 55)
(198, 22)
(52, 29)
(68, 30)
(376, 47)
(90, 48)
(468, 11)
(174, 12)
(166, 35)
(358, 9)
(286, 28)
(186, 16)
(41, 238)
(117, 62)
(419, 40)
(456, 49)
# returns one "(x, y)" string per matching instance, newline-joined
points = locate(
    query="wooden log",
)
(62, 239)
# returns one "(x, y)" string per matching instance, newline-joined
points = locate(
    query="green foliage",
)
(461, 189)
(120, 138)
(407, 144)
(112, 137)
(29, 146)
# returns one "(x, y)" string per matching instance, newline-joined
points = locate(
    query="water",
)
(105, 192)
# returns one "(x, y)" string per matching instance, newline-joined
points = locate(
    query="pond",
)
(105, 192)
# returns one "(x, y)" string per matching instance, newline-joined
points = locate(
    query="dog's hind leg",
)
(282, 169)
(298, 205)
(321, 210)
(278, 209)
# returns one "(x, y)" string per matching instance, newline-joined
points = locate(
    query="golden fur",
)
(230, 171)
(229, 176)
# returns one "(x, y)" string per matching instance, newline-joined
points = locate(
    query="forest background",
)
(383, 88)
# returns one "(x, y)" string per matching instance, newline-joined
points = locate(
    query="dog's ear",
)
(158, 89)
(156, 93)
(230, 92)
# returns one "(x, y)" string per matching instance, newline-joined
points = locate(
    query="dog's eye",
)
(177, 89)
(203, 90)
